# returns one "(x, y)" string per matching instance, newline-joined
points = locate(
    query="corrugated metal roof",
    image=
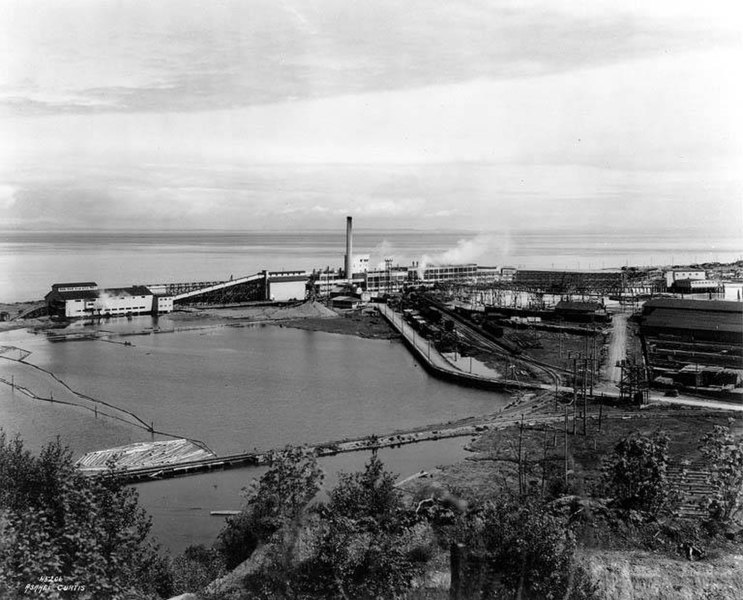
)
(135, 290)
(695, 305)
(79, 295)
(690, 321)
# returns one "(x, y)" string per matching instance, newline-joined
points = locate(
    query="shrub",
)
(724, 456)
(87, 531)
(517, 548)
(635, 475)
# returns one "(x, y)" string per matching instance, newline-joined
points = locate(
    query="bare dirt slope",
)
(645, 576)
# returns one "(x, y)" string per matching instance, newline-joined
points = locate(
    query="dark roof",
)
(695, 305)
(135, 290)
(578, 306)
(75, 284)
(79, 295)
(693, 321)
(288, 278)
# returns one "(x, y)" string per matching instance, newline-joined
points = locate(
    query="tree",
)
(279, 499)
(196, 568)
(636, 473)
(362, 544)
(87, 531)
(515, 548)
(368, 542)
(724, 456)
(368, 495)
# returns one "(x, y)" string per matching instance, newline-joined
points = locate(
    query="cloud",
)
(390, 208)
(137, 57)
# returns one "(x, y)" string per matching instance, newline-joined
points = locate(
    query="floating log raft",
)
(144, 455)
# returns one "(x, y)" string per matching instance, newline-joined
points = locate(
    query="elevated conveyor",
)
(215, 287)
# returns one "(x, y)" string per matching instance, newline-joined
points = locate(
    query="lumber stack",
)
(143, 455)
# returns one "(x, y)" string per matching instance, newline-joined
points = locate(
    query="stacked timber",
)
(144, 455)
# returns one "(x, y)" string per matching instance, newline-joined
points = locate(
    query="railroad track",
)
(483, 341)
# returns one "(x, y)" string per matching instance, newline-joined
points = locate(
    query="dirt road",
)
(617, 348)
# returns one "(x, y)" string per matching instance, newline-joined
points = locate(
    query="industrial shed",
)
(583, 312)
(694, 320)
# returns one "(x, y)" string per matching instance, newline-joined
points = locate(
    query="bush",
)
(635, 475)
(87, 531)
(364, 543)
(724, 456)
(517, 548)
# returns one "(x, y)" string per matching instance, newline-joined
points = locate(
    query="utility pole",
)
(544, 460)
(521, 469)
(575, 387)
(556, 390)
(565, 450)
(585, 402)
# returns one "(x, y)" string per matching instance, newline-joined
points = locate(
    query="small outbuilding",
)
(346, 302)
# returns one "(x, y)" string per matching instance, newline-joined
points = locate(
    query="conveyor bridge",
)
(205, 288)
(254, 287)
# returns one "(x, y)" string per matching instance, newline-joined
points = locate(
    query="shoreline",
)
(309, 316)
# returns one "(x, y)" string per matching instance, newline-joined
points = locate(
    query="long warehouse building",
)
(694, 320)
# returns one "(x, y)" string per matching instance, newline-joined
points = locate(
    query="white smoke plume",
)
(102, 300)
(471, 250)
(105, 300)
(379, 253)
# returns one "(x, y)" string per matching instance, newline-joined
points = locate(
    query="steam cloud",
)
(490, 247)
(468, 251)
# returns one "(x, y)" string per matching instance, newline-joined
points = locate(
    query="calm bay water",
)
(234, 388)
(31, 261)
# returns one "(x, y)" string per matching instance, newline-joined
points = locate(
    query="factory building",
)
(286, 286)
(360, 263)
(508, 273)
(607, 282)
(441, 273)
(79, 300)
(674, 276)
(697, 286)
(391, 280)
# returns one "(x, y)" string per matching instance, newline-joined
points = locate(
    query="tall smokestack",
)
(349, 247)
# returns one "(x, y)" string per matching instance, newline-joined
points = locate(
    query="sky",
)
(432, 114)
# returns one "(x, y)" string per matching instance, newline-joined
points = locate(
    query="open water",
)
(235, 389)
